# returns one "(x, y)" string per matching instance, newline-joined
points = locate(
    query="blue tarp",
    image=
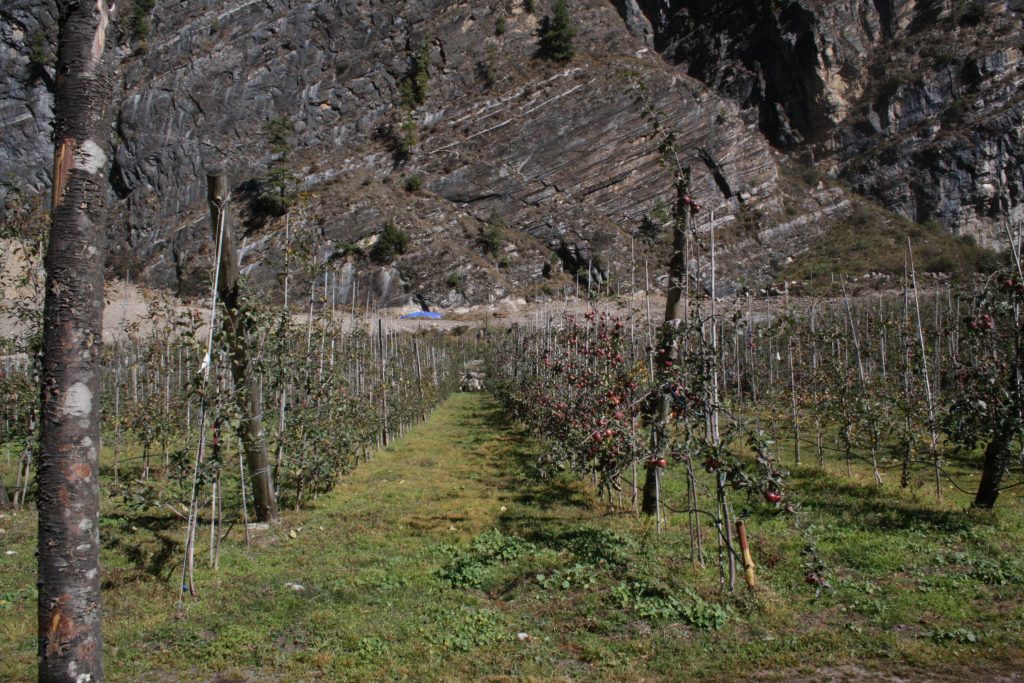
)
(429, 315)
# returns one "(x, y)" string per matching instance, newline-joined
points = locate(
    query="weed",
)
(953, 635)
(576, 576)
(471, 568)
(371, 648)
(600, 547)
(654, 604)
(461, 630)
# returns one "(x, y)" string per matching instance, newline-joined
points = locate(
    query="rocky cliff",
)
(915, 103)
(512, 174)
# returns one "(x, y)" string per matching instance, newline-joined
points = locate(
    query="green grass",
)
(428, 561)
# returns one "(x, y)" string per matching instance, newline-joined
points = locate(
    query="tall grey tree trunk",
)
(70, 642)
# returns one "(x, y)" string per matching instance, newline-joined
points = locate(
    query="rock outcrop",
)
(915, 103)
(509, 173)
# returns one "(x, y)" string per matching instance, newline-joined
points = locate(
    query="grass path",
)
(426, 563)
(370, 606)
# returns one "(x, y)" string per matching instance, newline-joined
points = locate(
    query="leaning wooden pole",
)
(237, 337)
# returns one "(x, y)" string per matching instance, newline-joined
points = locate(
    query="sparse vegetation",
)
(973, 14)
(40, 55)
(487, 68)
(413, 89)
(392, 243)
(275, 192)
(873, 240)
(278, 132)
(492, 236)
(138, 19)
(556, 35)
(954, 114)
(414, 182)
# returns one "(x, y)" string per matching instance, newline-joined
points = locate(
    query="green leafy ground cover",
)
(428, 563)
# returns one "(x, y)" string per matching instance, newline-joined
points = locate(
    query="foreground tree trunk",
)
(70, 643)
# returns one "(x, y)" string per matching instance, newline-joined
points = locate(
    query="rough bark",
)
(70, 642)
(251, 429)
(997, 459)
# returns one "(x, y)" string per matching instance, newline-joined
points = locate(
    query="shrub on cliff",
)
(557, 34)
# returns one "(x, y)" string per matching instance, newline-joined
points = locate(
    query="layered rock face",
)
(554, 159)
(558, 155)
(915, 103)
(26, 105)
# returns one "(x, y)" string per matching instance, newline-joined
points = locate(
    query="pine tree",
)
(557, 33)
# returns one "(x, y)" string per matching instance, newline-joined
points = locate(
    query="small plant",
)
(462, 630)
(500, 26)
(954, 113)
(278, 132)
(973, 15)
(400, 140)
(371, 648)
(453, 281)
(576, 576)
(413, 182)
(40, 54)
(492, 237)
(964, 636)
(138, 20)
(530, 6)
(655, 604)
(413, 88)
(470, 568)
(557, 33)
(487, 68)
(392, 243)
(276, 193)
(601, 547)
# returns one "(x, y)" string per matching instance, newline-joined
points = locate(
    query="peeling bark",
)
(70, 642)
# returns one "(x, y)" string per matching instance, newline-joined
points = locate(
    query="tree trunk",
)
(674, 310)
(251, 428)
(70, 642)
(997, 459)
